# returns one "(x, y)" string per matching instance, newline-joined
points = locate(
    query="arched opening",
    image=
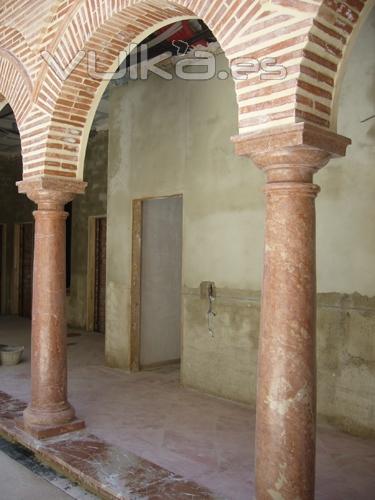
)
(346, 245)
(16, 223)
(135, 176)
(166, 189)
(159, 148)
(10, 137)
(366, 11)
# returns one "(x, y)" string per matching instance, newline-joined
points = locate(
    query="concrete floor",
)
(23, 476)
(205, 439)
(18, 483)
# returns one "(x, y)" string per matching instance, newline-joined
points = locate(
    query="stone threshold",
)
(101, 468)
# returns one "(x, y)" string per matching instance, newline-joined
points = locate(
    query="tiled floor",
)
(202, 438)
(108, 471)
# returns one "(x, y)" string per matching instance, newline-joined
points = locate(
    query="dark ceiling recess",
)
(176, 39)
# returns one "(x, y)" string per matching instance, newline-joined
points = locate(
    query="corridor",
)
(203, 438)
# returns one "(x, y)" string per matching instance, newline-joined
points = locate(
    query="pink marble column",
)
(49, 412)
(286, 394)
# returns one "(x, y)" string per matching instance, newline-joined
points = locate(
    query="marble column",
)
(49, 412)
(286, 392)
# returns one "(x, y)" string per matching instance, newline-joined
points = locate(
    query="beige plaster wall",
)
(179, 143)
(173, 137)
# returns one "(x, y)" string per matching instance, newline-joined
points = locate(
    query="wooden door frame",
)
(15, 279)
(90, 284)
(136, 274)
(3, 264)
(16, 268)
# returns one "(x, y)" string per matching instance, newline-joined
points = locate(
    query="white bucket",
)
(11, 355)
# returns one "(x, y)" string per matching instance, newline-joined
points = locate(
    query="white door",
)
(161, 280)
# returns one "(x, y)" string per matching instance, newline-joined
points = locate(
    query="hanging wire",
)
(210, 313)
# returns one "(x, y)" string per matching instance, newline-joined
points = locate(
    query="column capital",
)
(292, 152)
(51, 193)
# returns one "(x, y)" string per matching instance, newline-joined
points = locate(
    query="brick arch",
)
(15, 85)
(243, 29)
(308, 38)
(363, 12)
(3, 102)
(73, 107)
(333, 32)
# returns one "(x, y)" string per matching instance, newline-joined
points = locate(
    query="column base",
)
(48, 431)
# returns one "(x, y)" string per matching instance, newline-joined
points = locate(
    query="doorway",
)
(100, 273)
(156, 323)
(96, 274)
(3, 254)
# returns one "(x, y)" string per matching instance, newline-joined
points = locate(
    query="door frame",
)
(16, 268)
(136, 276)
(15, 279)
(90, 283)
(3, 264)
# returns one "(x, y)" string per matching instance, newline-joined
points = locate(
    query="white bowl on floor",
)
(11, 355)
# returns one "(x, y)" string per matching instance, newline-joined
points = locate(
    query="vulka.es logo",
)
(200, 65)
(63, 73)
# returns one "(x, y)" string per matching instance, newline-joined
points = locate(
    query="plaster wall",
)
(173, 137)
(178, 144)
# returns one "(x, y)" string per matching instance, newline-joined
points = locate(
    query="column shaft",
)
(49, 412)
(49, 404)
(286, 393)
(285, 428)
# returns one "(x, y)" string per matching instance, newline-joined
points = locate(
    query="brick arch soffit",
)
(61, 28)
(15, 85)
(50, 18)
(345, 61)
